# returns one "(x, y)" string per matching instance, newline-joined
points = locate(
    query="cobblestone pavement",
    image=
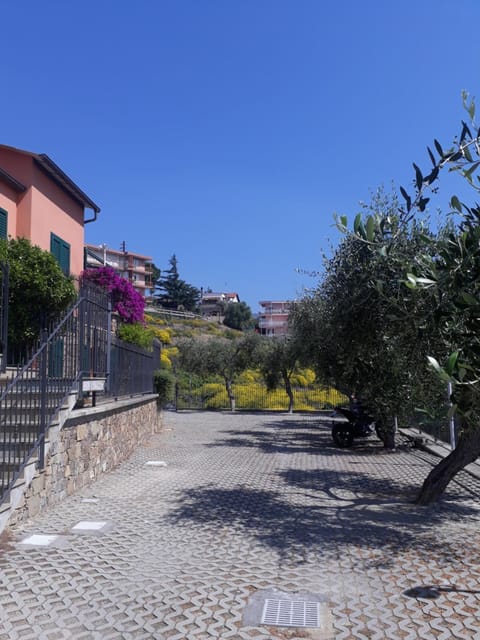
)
(247, 503)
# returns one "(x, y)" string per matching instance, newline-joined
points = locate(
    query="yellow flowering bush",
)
(165, 361)
(164, 335)
(251, 393)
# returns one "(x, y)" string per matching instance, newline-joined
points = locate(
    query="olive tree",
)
(362, 328)
(444, 281)
(223, 357)
(279, 362)
(449, 281)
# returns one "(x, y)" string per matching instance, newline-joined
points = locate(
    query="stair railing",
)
(31, 400)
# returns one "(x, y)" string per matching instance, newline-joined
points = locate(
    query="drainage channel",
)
(302, 610)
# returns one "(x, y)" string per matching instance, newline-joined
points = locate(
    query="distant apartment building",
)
(40, 202)
(273, 317)
(214, 304)
(134, 267)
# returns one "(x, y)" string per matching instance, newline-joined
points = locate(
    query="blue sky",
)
(229, 132)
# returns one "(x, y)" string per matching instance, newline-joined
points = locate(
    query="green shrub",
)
(137, 334)
(39, 291)
(164, 384)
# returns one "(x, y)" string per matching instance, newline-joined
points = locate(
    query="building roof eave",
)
(61, 178)
(12, 182)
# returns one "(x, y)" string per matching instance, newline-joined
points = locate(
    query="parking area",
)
(249, 526)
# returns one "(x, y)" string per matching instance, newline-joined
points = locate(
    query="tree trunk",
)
(467, 451)
(288, 389)
(386, 433)
(389, 438)
(231, 397)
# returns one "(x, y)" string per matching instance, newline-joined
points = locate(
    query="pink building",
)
(273, 317)
(40, 202)
(134, 267)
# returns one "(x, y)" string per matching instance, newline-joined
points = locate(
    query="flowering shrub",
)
(303, 378)
(166, 356)
(164, 335)
(165, 361)
(252, 394)
(128, 303)
(154, 320)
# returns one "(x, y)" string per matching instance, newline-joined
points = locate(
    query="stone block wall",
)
(92, 441)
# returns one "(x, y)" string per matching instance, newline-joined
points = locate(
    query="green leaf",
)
(468, 172)
(467, 154)
(438, 147)
(452, 411)
(407, 198)
(451, 362)
(455, 204)
(341, 222)
(357, 222)
(358, 226)
(422, 203)
(418, 177)
(361, 231)
(432, 157)
(432, 176)
(438, 369)
(468, 298)
(465, 131)
(471, 110)
(370, 229)
(426, 281)
(433, 362)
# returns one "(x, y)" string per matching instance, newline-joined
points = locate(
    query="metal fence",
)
(4, 284)
(254, 396)
(31, 399)
(79, 348)
(131, 369)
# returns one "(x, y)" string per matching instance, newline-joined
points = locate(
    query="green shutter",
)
(61, 250)
(3, 224)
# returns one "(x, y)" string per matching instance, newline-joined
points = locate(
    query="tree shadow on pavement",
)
(356, 499)
(288, 436)
(321, 513)
(302, 435)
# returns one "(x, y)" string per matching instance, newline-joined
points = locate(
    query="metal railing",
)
(152, 307)
(33, 397)
(131, 369)
(4, 284)
(254, 397)
(80, 348)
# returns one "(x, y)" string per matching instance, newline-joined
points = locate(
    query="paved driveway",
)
(242, 513)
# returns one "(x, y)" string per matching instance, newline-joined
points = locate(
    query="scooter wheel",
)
(342, 435)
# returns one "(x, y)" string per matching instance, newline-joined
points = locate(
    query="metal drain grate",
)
(291, 613)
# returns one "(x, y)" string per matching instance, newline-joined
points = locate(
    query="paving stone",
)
(247, 503)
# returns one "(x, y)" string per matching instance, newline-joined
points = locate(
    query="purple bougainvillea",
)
(128, 303)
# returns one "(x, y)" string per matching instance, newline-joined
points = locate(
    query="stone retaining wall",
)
(91, 442)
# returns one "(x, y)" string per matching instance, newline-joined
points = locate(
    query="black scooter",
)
(358, 424)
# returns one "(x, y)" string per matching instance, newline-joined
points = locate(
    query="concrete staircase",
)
(18, 433)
